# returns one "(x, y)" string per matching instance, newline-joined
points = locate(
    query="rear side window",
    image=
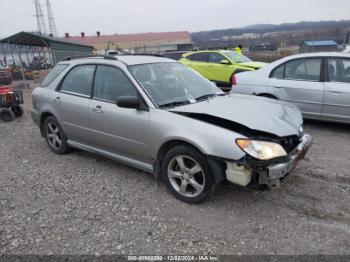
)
(111, 83)
(79, 80)
(278, 72)
(52, 75)
(199, 57)
(304, 69)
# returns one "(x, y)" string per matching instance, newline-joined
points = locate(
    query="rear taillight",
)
(4, 90)
(233, 80)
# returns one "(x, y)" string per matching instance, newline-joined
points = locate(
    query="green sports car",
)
(220, 66)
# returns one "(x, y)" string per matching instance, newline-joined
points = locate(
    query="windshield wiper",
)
(205, 97)
(175, 104)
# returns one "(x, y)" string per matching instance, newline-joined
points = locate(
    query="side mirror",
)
(128, 102)
(225, 62)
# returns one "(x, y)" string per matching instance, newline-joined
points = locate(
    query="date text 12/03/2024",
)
(173, 258)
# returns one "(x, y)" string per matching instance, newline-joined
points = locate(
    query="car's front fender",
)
(207, 138)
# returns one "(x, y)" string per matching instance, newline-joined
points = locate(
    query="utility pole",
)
(41, 25)
(51, 20)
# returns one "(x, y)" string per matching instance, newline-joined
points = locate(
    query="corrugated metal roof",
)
(321, 43)
(91, 40)
(35, 39)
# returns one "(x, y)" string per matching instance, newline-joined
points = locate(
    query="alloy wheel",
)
(186, 176)
(53, 135)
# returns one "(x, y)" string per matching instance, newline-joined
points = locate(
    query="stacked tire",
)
(10, 114)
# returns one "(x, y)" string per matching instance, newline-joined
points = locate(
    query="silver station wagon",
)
(159, 116)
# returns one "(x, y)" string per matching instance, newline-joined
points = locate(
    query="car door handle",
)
(335, 92)
(98, 109)
(278, 87)
(58, 100)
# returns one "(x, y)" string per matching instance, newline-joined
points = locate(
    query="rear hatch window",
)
(58, 69)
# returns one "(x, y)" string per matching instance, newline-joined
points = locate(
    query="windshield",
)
(236, 58)
(173, 84)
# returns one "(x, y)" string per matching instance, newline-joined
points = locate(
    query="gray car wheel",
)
(55, 136)
(187, 174)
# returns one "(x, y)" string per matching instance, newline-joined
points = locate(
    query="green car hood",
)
(256, 65)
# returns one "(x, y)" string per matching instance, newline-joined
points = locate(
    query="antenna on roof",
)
(41, 25)
(51, 19)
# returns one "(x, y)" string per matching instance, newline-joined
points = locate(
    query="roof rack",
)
(107, 57)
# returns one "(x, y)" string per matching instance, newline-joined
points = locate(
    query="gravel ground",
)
(84, 204)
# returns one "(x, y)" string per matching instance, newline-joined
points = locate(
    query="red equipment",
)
(10, 103)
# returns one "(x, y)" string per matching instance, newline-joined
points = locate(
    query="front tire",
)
(187, 174)
(55, 136)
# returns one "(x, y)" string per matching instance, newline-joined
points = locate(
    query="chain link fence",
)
(28, 65)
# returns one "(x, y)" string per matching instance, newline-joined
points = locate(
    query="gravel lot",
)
(84, 204)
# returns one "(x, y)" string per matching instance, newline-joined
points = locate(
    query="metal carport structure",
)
(57, 49)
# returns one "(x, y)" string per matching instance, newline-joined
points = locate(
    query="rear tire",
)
(187, 174)
(55, 136)
(18, 111)
(7, 115)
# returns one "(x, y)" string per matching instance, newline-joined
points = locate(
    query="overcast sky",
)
(133, 16)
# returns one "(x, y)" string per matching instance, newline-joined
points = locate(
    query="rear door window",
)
(304, 69)
(216, 58)
(79, 80)
(198, 57)
(339, 70)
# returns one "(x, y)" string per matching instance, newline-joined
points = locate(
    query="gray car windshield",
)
(237, 58)
(173, 84)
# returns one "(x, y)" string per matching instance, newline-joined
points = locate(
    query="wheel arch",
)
(267, 95)
(169, 144)
(43, 117)
(217, 167)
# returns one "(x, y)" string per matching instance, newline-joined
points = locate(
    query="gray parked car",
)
(157, 115)
(318, 83)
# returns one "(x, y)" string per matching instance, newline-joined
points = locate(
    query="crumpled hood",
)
(257, 113)
(256, 65)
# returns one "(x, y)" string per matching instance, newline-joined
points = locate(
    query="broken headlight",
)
(261, 150)
(301, 130)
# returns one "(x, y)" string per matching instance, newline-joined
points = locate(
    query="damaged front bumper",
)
(268, 174)
(274, 173)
